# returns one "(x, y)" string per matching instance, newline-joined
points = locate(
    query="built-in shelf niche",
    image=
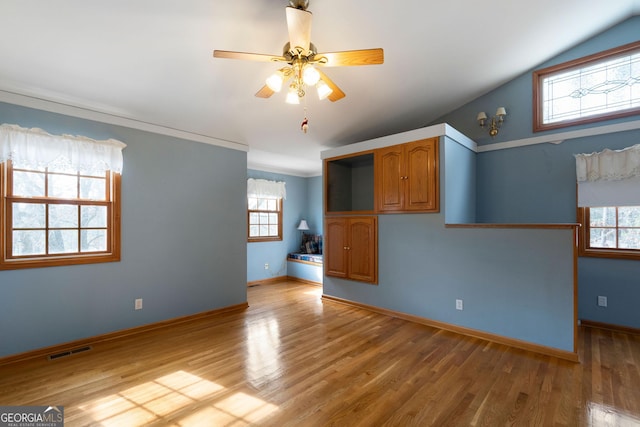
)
(349, 184)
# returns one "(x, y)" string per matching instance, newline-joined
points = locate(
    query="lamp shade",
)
(303, 225)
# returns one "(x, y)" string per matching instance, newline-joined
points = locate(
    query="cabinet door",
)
(421, 183)
(363, 249)
(389, 179)
(335, 247)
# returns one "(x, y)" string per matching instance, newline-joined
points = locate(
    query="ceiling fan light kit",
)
(302, 59)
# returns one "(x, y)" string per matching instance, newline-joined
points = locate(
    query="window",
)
(598, 87)
(264, 216)
(59, 199)
(609, 202)
(612, 231)
(265, 219)
(58, 216)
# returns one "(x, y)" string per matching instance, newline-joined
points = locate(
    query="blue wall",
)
(183, 243)
(537, 183)
(304, 201)
(315, 215)
(459, 201)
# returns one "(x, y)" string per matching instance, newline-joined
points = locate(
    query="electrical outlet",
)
(138, 304)
(266, 265)
(459, 305)
(602, 301)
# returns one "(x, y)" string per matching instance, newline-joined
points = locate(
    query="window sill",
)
(265, 239)
(608, 253)
(16, 264)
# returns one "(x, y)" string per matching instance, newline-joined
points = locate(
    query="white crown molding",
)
(559, 137)
(89, 114)
(281, 170)
(441, 129)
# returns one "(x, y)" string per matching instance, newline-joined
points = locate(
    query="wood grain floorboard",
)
(291, 359)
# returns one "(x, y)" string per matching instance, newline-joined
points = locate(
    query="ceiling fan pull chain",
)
(305, 123)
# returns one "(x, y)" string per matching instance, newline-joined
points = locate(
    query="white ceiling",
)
(150, 63)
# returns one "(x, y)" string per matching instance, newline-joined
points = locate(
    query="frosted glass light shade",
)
(323, 90)
(274, 81)
(310, 75)
(292, 96)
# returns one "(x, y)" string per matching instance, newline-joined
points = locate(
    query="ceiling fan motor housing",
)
(299, 4)
(289, 54)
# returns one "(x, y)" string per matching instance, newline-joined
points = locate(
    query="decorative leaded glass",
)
(599, 88)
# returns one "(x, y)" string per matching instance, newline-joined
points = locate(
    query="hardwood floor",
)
(291, 359)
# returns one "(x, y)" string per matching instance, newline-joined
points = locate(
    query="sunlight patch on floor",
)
(601, 415)
(263, 351)
(168, 399)
(237, 409)
(315, 292)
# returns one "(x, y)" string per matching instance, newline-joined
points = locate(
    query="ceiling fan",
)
(302, 60)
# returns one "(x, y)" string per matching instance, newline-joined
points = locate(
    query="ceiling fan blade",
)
(247, 56)
(351, 57)
(264, 92)
(337, 93)
(299, 25)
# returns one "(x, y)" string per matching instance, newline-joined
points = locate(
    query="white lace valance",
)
(609, 178)
(266, 189)
(609, 165)
(36, 148)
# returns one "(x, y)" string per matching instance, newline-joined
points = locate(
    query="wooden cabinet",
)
(407, 177)
(351, 248)
(394, 179)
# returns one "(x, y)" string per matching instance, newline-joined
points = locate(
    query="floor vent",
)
(69, 352)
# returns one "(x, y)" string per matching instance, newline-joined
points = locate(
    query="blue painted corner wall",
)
(183, 243)
(537, 183)
(304, 201)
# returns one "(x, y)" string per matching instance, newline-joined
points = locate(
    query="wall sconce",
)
(495, 122)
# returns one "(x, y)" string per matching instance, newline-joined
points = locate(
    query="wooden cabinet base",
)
(351, 248)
